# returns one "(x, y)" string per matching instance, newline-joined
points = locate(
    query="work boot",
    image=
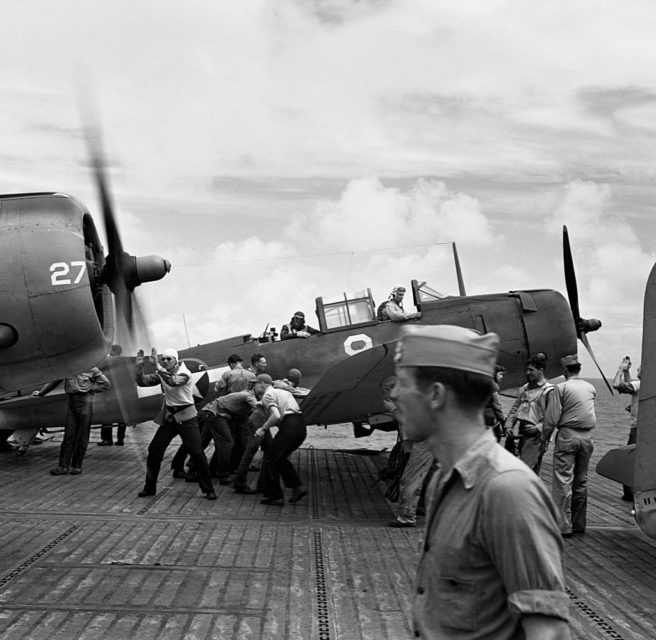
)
(298, 493)
(105, 443)
(59, 471)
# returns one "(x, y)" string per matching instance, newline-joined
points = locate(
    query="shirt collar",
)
(475, 460)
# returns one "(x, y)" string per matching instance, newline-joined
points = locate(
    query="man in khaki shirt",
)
(491, 564)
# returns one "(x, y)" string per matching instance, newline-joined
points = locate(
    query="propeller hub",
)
(588, 325)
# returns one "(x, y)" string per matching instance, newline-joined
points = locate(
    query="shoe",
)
(401, 525)
(578, 532)
(146, 493)
(565, 534)
(210, 495)
(627, 497)
(105, 443)
(297, 495)
(179, 474)
(245, 490)
(119, 443)
(59, 471)
(273, 502)
(75, 471)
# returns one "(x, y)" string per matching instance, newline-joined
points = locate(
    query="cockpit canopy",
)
(359, 309)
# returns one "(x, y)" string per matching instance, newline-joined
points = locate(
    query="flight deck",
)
(85, 558)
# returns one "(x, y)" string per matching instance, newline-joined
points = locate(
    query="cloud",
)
(611, 265)
(371, 236)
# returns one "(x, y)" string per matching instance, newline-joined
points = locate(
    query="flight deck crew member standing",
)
(624, 383)
(80, 389)
(178, 417)
(571, 410)
(283, 411)
(491, 565)
(529, 409)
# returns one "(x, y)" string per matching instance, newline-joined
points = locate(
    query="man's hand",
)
(153, 356)
(36, 393)
(140, 358)
(303, 334)
(260, 432)
(626, 363)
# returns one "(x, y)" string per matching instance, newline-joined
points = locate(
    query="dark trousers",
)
(190, 435)
(76, 433)
(213, 428)
(218, 429)
(253, 443)
(290, 436)
(106, 432)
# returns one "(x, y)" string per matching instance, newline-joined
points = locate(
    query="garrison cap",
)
(299, 314)
(449, 346)
(264, 378)
(569, 360)
(235, 357)
(399, 288)
(169, 353)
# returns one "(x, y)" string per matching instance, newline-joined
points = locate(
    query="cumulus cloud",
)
(371, 236)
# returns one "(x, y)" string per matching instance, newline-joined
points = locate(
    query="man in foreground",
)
(491, 565)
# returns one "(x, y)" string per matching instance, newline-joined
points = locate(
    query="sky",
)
(283, 150)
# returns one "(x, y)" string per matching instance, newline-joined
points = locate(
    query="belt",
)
(177, 408)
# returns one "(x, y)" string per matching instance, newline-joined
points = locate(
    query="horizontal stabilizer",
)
(618, 465)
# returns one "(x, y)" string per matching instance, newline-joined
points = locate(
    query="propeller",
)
(583, 325)
(121, 272)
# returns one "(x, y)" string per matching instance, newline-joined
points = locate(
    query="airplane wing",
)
(350, 391)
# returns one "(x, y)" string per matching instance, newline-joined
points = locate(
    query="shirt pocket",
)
(455, 604)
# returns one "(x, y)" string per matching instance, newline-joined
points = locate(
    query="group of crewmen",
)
(492, 558)
(248, 404)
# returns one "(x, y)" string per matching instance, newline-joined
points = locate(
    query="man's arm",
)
(623, 376)
(511, 418)
(396, 314)
(545, 628)
(100, 382)
(46, 388)
(273, 419)
(144, 379)
(551, 418)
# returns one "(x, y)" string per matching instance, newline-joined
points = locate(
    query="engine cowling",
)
(56, 316)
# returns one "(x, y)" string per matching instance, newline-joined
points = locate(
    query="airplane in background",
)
(347, 363)
(633, 465)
